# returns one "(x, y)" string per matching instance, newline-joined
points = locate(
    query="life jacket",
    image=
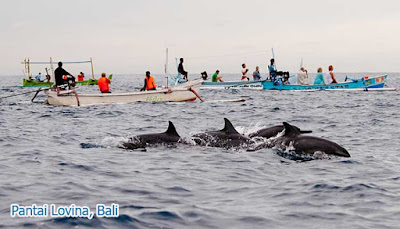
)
(150, 84)
(103, 84)
(80, 77)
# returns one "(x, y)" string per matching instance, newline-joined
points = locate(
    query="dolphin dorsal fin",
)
(290, 130)
(229, 127)
(171, 130)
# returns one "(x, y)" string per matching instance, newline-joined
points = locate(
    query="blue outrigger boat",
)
(354, 84)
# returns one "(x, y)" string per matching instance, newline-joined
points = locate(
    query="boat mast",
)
(52, 69)
(29, 69)
(166, 67)
(91, 63)
(273, 57)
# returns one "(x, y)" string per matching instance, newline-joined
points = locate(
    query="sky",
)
(131, 36)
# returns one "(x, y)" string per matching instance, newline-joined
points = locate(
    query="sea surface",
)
(72, 155)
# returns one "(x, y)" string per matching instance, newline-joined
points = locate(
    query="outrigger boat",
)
(255, 85)
(180, 93)
(30, 82)
(366, 83)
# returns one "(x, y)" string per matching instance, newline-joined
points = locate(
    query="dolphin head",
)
(272, 131)
(291, 131)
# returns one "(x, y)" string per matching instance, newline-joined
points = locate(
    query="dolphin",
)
(270, 132)
(293, 140)
(228, 137)
(141, 141)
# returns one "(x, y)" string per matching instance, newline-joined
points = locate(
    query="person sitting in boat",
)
(81, 75)
(216, 78)
(332, 78)
(59, 73)
(302, 77)
(244, 72)
(319, 78)
(256, 74)
(272, 70)
(103, 83)
(38, 77)
(149, 83)
(181, 70)
(273, 73)
(204, 75)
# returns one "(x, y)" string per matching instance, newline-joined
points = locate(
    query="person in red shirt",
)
(81, 76)
(103, 83)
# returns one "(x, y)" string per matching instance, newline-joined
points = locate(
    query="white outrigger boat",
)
(180, 93)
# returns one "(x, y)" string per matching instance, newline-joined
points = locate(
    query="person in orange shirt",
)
(103, 83)
(149, 83)
(81, 76)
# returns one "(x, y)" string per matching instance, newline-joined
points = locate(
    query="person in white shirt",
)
(302, 77)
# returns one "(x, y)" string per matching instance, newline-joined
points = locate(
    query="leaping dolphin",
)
(141, 141)
(228, 137)
(308, 145)
(270, 132)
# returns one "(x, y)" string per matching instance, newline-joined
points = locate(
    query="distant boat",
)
(34, 83)
(30, 82)
(354, 84)
(183, 92)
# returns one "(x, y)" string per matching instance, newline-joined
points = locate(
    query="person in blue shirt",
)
(256, 74)
(38, 77)
(319, 78)
(272, 70)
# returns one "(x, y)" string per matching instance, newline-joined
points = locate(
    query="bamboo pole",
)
(52, 70)
(91, 63)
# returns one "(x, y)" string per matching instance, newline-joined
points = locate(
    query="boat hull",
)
(179, 93)
(375, 82)
(34, 83)
(256, 85)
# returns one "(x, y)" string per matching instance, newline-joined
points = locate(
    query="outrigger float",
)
(30, 82)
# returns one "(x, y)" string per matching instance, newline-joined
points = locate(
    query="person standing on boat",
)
(81, 76)
(319, 78)
(103, 83)
(216, 78)
(59, 73)
(302, 77)
(38, 77)
(181, 70)
(244, 72)
(256, 74)
(149, 83)
(332, 78)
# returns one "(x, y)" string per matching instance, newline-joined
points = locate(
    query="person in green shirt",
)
(216, 78)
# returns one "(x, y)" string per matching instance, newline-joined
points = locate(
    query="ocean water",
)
(71, 155)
